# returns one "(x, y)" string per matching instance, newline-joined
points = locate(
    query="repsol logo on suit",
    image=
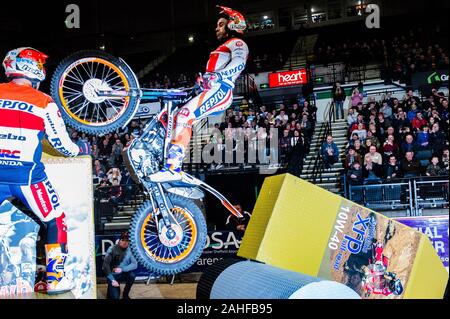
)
(16, 105)
(213, 100)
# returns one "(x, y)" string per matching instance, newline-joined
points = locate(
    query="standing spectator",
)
(285, 145)
(374, 156)
(118, 267)
(392, 169)
(115, 194)
(329, 152)
(410, 166)
(338, 99)
(116, 153)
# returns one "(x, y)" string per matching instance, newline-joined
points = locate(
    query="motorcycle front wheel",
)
(76, 88)
(154, 251)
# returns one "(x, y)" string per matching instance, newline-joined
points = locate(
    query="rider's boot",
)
(172, 172)
(57, 282)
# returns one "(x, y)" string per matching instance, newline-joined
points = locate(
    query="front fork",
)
(162, 207)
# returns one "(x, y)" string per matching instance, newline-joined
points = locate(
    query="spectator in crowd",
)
(285, 145)
(361, 131)
(410, 166)
(408, 145)
(329, 152)
(351, 158)
(390, 148)
(359, 148)
(115, 194)
(445, 159)
(423, 137)
(118, 266)
(116, 153)
(386, 110)
(371, 171)
(352, 117)
(434, 168)
(438, 140)
(392, 168)
(355, 174)
(356, 98)
(373, 138)
(114, 173)
(237, 224)
(374, 155)
(338, 99)
(418, 122)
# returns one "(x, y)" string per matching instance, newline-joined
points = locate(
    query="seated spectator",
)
(351, 158)
(355, 174)
(434, 169)
(372, 171)
(361, 131)
(359, 148)
(282, 116)
(418, 121)
(329, 152)
(401, 120)
(445, 159)
(411, 115)
(438, 140)
(408, 145)
(374, 155)
(423, 137)
(410, 166)
(359, 120)
(356, 98)
(389, 147)
(352, 117)
(392, 169)
(352, 140)
(373, 138)
(386, 110)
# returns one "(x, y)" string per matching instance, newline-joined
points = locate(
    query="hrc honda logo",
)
(9, 154)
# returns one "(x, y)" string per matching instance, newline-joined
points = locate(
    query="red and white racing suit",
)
(224, 66)
(26, 115)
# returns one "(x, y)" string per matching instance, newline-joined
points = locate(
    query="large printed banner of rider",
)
(224, 150)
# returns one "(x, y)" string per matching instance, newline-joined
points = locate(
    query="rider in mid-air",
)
(224, 66)
(26, 116)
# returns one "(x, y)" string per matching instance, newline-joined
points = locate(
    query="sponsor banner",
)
(280, 79)
(18, 235)
(436, 228)
(219, 245)
(71, 178)
(438, 77)
(363, 252)
(147, 109)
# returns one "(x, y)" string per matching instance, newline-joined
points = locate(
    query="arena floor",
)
(184, 287)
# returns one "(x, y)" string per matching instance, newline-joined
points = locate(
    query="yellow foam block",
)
(301, 227)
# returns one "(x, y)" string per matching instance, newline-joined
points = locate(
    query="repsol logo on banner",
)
(288, 78)
(12, 137)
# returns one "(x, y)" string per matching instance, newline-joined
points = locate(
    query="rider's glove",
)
(209, 79)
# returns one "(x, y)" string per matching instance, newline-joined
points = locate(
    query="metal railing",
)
(413, 195)
(326, 130)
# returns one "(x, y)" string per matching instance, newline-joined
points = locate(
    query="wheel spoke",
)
(75, 77)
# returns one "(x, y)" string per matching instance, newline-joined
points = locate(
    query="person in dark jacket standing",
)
(339, 98)
(118, 267)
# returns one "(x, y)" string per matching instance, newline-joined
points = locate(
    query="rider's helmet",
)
(236, 21)
(25, 63)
